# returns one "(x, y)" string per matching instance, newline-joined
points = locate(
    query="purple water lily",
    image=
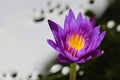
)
(78, 41)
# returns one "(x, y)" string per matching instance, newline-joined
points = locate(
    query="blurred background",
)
(25, 54)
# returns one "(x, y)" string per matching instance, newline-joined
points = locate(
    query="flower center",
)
(76, 41)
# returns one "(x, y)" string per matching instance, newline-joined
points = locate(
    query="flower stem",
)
(73, 71)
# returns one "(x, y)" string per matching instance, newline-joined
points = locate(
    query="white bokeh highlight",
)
(118, 28)
(55, 68)
(65, 70)
(81, 73)
(110, 24)
(77, 67)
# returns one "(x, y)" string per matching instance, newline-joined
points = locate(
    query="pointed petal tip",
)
(93, 20)
(102, 52)
(97, 27)
(53, 25)
(50, 22)
(70, 10)
(80, 14)
(97, 53)
(103, 34)
(71, 14)
(80, 17)
(52, 43)
(81, 61)
(48, 40)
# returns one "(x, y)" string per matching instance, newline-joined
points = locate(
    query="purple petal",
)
(65, 21)
(95, 33)
(74, 59)
(53, 25)
(92, 54)
(85, 25)
(93, 20)
(93, 39)
(69, 17)
(57, 32)
(55, 46)
(96, 53)
(73, 26)
(52, 44)
(81, 61)
(96, 30)
(101, 37)
(80, 53)
(89, 57)
(61, 33)
(66, 27)
(56, 37)
(94, 36)
(62, 58)
(79, 19)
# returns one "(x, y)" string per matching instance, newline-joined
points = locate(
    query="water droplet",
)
(14, 75)
(51, 10)
(65, 70)
(42, 11)
(61, 12)
(67, 7)
(111, 24)
(4, 75)
(92, 1)
(29, 76)
(58, 6)
(39, 19)
(49, 3)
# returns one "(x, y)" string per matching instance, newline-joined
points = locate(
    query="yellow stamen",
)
(76, 41)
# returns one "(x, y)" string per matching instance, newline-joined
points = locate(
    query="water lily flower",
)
(78, 41)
